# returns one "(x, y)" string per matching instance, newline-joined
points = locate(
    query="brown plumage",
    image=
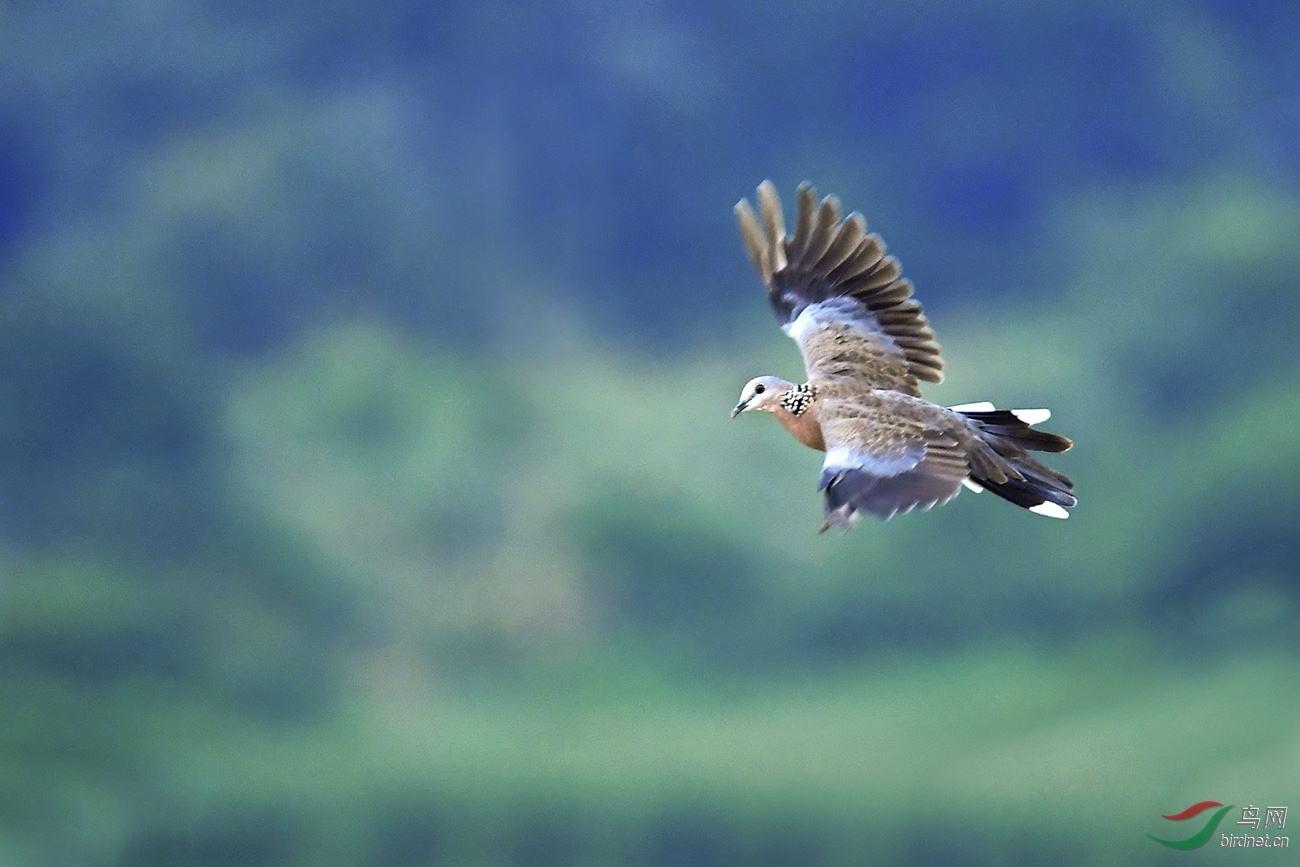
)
(867, 346)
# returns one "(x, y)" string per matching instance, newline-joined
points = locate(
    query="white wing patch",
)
(841, 456)
(849, 458)
(979, 406)
(970, 485)
(803, 323)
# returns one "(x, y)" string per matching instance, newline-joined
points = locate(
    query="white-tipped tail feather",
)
(1028, 416)
(1032, 416)
(971, 486)
(1051, 510)
(1002, 464)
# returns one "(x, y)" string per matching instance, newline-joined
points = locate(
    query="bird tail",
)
(1000, 461)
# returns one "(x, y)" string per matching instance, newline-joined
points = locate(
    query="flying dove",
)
(866, 346)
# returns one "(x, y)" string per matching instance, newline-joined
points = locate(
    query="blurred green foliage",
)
(367, 491)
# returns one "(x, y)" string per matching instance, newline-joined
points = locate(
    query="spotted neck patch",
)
(797, 400)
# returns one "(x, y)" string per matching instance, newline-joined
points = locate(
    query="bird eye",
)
(759, 389)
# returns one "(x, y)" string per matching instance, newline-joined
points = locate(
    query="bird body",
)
(866, 346)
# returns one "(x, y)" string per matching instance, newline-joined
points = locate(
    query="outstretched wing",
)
(881, 461)
(839, 296)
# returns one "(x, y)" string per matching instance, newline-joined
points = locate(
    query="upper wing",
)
(838, 295)
(881, 462)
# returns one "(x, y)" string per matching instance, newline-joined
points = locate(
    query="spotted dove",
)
(866, 346)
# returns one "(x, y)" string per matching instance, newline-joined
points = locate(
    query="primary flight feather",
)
(866, 347)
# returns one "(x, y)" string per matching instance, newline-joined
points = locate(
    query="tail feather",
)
(1004, 466)
(1009, 424)
(1033, 489)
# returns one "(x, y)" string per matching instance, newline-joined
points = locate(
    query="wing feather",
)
(855, 265)
(846, 240)
(755, 244)
(828, 215)
(883, 461)
(839, 295)
(803, 231)
(770, 205)
(883, 276)
(879, 302)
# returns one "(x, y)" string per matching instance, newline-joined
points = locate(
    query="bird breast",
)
(805, 427)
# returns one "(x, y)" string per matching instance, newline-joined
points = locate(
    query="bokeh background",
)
(367, 490)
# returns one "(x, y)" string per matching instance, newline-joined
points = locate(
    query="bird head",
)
(761, 393)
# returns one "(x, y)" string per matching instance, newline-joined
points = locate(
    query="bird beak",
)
(740, 407)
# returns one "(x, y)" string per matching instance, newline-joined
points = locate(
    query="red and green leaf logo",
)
(1202, 836)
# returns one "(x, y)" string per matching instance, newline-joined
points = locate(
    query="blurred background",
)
(367, 490)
